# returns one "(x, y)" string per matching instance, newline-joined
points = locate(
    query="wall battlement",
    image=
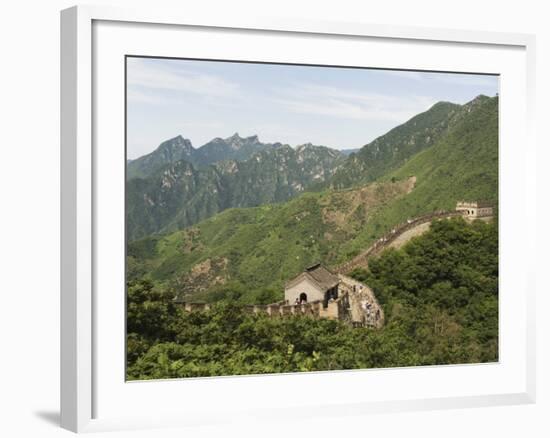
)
(355, 305)
(314, 309)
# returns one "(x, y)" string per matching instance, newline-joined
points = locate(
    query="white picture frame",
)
(90, 37)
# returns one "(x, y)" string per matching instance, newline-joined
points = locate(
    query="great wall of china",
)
(356, 303)
(392, 237)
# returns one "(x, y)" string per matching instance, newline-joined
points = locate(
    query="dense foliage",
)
(446, 281)
(439, 293)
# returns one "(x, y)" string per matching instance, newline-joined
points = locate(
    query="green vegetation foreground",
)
(439, 293)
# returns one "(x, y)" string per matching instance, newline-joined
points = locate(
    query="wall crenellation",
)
(355, 305)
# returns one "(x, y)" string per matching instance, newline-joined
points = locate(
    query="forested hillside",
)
(439, 292)
(393, 149)
(462, 165)
(251, 252)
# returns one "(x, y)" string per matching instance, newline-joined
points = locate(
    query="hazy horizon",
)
(338, 107)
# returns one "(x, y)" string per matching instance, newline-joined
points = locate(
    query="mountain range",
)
(443, 155)
(178, 148)
(178, 192)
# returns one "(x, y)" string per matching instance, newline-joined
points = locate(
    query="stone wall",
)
(337, 309)
(364, 309)
(313, 309)
(385, 241)
(473, 210)
(355, 305)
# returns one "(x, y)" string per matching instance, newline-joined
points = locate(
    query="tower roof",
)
(319, 275)
(478, 204)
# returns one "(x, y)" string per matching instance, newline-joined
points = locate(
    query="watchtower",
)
(476, 209)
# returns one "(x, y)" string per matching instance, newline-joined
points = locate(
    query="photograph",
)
(256, 220)
(287, 218)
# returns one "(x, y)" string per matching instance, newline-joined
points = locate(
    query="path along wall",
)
(386, 241)
(355, 305)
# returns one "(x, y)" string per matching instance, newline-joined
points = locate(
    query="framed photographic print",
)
(265, 217)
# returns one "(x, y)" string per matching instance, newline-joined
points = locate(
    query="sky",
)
(342, 108)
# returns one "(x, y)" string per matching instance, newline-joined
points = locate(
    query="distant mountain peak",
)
(443, 103)
(236, 141)
(314, 148)
(397, 145)
(218, 149)
(481, 97)
(176, 143)
(183, 193)
(236, 136)
(169, 151)
(478, 99)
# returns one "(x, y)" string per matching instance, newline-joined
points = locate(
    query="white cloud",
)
(144, 75)
(138, 96)
(352, 104)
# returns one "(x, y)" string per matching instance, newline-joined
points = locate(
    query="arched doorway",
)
(303, 298)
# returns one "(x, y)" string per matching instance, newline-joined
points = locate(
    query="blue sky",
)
(342, 108)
